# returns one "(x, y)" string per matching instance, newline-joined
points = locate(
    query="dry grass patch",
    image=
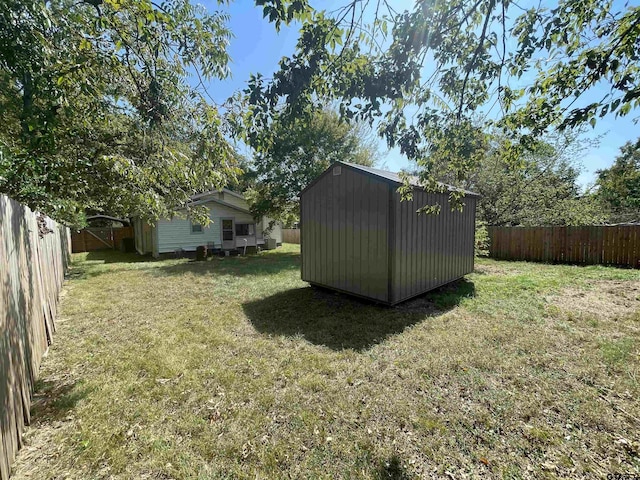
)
(600, 299)
(234, 368)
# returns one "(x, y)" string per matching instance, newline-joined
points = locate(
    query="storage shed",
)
(358, 237)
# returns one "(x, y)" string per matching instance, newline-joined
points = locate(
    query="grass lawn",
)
(235, 368)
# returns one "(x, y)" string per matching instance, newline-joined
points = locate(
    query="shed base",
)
(382, 302)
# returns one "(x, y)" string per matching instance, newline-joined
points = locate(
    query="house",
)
(358, 237)
(232, 226)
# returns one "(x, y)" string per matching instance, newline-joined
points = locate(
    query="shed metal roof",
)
(395, 178)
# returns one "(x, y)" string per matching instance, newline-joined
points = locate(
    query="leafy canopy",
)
(103, 106)
(541, 190)
(619, 185)
(423, 76)
(294, 154)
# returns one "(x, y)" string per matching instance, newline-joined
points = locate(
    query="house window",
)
(196, 228)
(245, 229)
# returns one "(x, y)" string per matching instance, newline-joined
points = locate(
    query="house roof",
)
(395, 178)
(212, 196)
(211, 192)
(204, 200)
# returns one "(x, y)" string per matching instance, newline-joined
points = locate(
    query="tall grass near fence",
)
(34, 253)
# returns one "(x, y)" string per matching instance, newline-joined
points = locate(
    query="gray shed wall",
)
(344, 234)
(358, 237)
(429, 250)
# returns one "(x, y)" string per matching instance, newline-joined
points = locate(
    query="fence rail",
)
(291, 235)
(603, 244)
(31, 271)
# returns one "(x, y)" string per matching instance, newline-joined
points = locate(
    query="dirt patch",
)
(606, 298)
(491, 269)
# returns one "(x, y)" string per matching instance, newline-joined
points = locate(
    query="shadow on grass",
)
(89, 265)
(392, 469)
(116, 256)
(54, 401)
(258, 264)
(338, 321)
(266, 263)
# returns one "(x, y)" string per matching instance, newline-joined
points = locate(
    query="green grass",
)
(235, 368)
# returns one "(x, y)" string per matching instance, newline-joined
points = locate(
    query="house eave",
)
(219, 202)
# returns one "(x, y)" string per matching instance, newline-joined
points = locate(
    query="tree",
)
(619, 185)
(103, 106)
(293, 155)
(424, 75)
(541, 190)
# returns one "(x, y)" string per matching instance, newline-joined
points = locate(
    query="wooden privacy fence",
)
(291, 235)
(103, 238)
(604, 244)
(32, 271)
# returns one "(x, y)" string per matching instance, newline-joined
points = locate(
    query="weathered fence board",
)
(291, 235)
(31, 271)
(602, 244)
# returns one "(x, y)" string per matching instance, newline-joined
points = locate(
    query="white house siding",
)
(176, 233)
(275, 232)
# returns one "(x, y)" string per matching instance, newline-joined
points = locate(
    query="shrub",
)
(482, 239)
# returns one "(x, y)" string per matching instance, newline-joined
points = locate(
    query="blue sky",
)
(257, 48)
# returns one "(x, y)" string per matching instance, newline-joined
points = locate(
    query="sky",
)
(257, 48)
